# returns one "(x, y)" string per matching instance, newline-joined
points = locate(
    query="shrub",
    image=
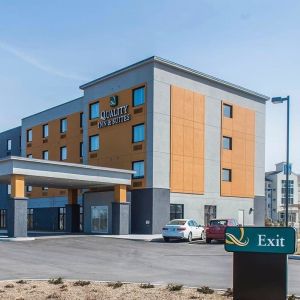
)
(9, 286)
(146, 286)
(58, 280)
(174, 287)
(21, 281)
(115, 285)
(53, 296)
(81, 283)
(228, 292)
(205, 290)
(292, 297)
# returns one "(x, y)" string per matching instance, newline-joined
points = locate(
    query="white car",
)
(187, 229)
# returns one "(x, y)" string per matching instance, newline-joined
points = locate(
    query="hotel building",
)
(195, 142)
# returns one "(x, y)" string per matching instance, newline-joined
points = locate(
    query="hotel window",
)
(226, 175)
(2, 218)
(176, 211)
(81, 149)
(8, 189)
(81, 218)
(28, 188)
(81, 120)
(61, 218)
(227, 143)
(138, 96)
(63, 153)
(94, 143)
(45, 188)
(138, 133)
(45, 131)
(94, 110)
(46, 155)
(227, 111)
(8, 144)
(29, 135)
(139, 168)
(63, 125)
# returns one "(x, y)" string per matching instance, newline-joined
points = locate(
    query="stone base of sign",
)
(259, 276)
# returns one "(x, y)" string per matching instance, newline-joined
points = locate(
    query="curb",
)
(295, 257)
(19, 239)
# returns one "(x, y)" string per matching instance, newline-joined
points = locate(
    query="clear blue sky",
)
(49, 48)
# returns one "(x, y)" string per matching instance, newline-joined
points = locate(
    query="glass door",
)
(99, 219)
(210, 212)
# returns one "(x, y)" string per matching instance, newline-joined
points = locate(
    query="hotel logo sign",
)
(114, 116)
(261, 239)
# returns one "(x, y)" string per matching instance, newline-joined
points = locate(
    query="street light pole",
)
(287, 187)
(277, 100)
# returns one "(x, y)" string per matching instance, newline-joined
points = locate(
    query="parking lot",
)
(108, 259)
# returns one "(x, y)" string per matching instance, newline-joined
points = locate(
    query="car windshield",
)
(218, 222)
(177, 222)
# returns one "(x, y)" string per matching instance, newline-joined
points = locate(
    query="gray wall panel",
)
(227, 207)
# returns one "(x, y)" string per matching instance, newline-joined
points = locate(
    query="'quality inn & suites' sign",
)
(261, 239)
(114, 116)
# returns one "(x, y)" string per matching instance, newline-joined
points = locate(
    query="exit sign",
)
(261, 239)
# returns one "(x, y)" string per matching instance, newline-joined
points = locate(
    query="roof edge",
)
(210, 78)
(178, 67)
(66, 164)
(53, 107)
(120, 71)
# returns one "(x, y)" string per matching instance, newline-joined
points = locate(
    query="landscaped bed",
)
(61, 289)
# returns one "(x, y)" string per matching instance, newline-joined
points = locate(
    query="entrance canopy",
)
(38, 172)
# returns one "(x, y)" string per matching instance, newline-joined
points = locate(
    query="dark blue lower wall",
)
(46, 219)
(150, 210)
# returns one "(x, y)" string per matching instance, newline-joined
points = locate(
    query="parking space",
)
(96, 258)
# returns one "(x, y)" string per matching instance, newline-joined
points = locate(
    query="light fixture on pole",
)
(277, 100)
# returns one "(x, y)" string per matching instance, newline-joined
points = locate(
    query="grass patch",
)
(205, 290)
(174, 287)
(58, 280)
(9, 286)
(81, 283)
(21, 281)
(146, 286)
(115, 285)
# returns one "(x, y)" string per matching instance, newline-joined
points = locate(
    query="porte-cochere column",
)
(17, 208)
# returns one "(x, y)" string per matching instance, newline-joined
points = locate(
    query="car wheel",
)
(166, 239)
(208, 241)
(190, 237)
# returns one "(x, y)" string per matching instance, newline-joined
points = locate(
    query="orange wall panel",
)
(187, 141)
(116, 147)
(71, 139)
(241, 159)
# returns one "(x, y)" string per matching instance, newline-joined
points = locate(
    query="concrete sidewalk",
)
(52, 235)
(135, 237)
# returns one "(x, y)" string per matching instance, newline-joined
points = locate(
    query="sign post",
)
(260, 261)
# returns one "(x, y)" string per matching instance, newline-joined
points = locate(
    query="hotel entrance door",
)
(99, 219)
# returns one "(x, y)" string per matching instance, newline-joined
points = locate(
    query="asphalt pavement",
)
(108, 259)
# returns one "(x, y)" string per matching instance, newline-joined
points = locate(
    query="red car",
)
(215, 230)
